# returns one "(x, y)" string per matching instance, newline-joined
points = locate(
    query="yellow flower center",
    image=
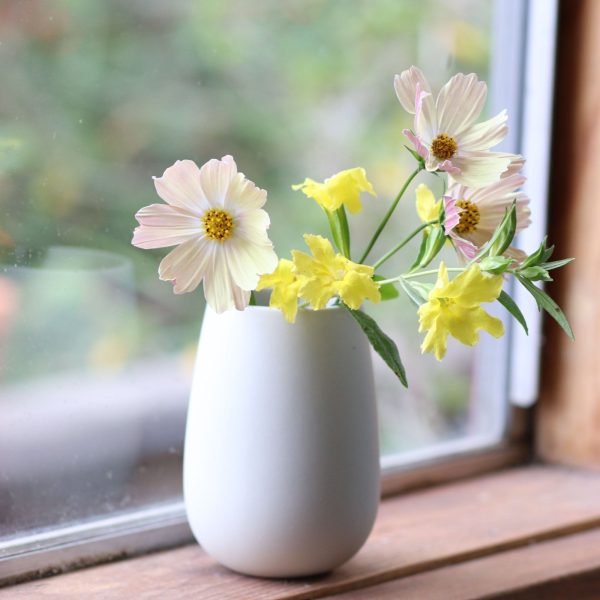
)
(444, 147)
(218, 224)
(469, 217)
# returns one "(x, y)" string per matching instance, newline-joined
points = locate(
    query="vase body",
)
(281, 463)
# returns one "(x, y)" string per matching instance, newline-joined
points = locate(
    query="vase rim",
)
(267, 310)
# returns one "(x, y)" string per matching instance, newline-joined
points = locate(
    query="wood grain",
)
(568, 415)
(562, 565)
(414, 533)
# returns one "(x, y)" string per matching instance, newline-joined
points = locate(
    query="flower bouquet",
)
(214, 216)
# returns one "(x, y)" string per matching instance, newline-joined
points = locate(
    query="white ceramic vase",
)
(281, 463)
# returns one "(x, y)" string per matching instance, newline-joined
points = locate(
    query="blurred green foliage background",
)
(97, 97)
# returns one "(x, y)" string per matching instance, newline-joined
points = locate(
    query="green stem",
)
(430, 272)
(402, 243)
(389, 214)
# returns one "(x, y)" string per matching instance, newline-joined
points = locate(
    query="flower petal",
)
(460, 103)
(405, 85)
(472, 287)
(221, 292)
(187, 265)
(478, 169)
(451, 214)
(421, 149)
(215, 177)
(484, 135)
(247, 261)
(180, 186)
(504, 187)
(357, 287)
(243, 194)
(428, 208)
(252, 226)
(424, 122)
(163, 225)
(464, 324)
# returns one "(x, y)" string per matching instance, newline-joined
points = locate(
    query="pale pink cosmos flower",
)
(445, 132)
(472, 214)
(214, 216)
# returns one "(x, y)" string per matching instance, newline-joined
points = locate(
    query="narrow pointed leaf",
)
(344, 230)
(416, 156)
(382, 344)
(511, 306)
(431, 245)
(334, 227)
(555, 264)
(502, 236)
(546, 303)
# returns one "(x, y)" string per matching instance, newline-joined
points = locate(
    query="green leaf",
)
(547, 254)
(503, 235)
(495, 264)
(382, 344)
(534, 274)
(433, 241)
(555, 264)
(416, 156)
(340, 213)
(535, 258)
(412, 292)
(388, 291)
(511, 306)
(544, 302)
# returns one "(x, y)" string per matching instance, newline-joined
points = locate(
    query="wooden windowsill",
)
(517, 534)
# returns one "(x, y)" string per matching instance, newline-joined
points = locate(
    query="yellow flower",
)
(342, 188)
(454, 308)
(286, 284)
(427, 208)
(328, 274)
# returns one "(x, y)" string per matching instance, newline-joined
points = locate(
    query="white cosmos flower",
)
(214, 217)
(446, 134)
(473, 214)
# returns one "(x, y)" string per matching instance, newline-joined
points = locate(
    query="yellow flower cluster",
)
(318, 278)
(454, 309)
(342, 188)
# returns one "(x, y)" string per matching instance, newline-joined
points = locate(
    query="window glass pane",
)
(95, 353)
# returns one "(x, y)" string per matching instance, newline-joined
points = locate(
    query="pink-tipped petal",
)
(405, 85)
(449, 167)
(423, 114)
(416, 142)
(465, 247)
(451, 214)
